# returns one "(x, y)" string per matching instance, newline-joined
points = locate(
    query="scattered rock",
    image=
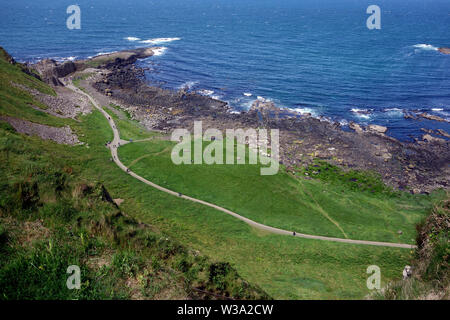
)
(443, 133)
(264, 105)
(356, 127)
(430, 138)
(118, 201)
(432, 117)
(376, 128)
(62, 135)
(51, 71)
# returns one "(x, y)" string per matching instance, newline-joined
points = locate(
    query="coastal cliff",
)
(114, 78)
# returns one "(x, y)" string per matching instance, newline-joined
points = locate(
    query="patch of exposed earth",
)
(63, 135)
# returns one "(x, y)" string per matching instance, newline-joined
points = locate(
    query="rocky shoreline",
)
(419, 167)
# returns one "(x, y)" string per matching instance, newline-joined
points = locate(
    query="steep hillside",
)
(64, 202)
(53, 214)
(430, 278)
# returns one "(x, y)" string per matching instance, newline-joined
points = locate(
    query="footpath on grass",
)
(114, 145)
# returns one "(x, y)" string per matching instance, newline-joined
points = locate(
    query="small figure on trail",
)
(179, 194)
(128, 170)
(294, 233)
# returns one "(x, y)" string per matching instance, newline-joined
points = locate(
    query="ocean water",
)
(312, 56)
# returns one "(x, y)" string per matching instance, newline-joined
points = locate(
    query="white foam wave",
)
(437, 109)
(303, 111)
(159, 51)
(247, 94)
(188, 85)
(362, 113)
(425, 46)
(103, 53)
(159, 40)
(394, 112)
(132, 38)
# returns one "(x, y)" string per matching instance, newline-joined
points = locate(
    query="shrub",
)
(26, 194)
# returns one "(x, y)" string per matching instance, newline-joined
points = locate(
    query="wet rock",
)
(356, 127)
(377, 129)
(264, 105)
(431, 117)
(62, 135)
(50, 70)
(443, 133)
(430, 138)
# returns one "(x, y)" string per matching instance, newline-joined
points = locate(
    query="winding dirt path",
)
(119, 142)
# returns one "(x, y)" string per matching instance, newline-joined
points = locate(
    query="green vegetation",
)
(159, 246)
(76, 81)
(128, 128)
(332, 206)
(53, 216)
(431, 265)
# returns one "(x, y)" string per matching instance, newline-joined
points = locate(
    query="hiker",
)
(294, 233)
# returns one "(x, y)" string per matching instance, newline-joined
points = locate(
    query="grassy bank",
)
(329, 205)
(206, 249)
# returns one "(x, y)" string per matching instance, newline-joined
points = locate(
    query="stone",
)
(407, 272)
(432, 117)
(356, 127)
(430, 138)
(376, 128)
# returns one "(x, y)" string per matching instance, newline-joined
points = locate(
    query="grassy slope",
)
(430, 275)
(284, 267)
(54, 213)
(128, 128)
(284, 201)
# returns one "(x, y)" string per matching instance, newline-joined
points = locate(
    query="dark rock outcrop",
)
(50, 70)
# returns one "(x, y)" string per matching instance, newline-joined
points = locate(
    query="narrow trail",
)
(119, 142)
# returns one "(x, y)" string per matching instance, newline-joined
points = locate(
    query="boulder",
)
(377, 129)
(430, 138)
(263, 105)
(407, 272)
(50, 70)
(356, 127)
(431, 117)
(443, 133)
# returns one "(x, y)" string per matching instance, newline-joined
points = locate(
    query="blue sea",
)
(312, 56)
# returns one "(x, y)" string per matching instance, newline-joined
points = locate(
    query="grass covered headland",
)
(63, 205)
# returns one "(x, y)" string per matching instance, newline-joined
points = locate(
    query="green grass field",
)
(283, 200)
(284, 267)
